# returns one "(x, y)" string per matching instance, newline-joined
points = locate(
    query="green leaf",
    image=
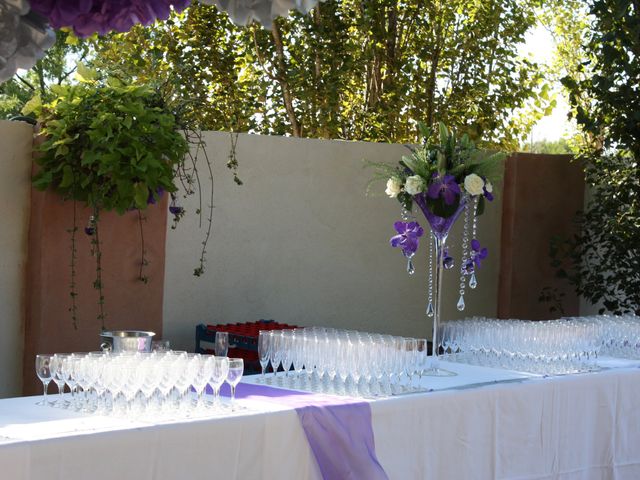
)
(481, 205)
(33, 105)
(444, 134)
(141, 193)
(85, 74)
(67, 177)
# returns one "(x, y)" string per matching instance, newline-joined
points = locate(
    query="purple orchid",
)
(407, 238)
(478, 253)
(445, 187)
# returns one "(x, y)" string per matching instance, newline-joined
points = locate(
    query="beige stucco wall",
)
(300, 242)
(15, 169)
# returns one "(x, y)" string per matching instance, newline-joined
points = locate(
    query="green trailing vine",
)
(73, 293)
(117, 146)
(143, 252)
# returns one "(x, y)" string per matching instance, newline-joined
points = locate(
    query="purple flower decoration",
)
(101, 16)
(176, 210)
(407, 238)
(152, 198)
(479, 253)
(445, 187)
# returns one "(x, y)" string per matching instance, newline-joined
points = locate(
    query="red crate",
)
(243, 340)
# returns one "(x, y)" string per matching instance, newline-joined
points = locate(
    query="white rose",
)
(394, 187)
(414, 185)
(488, 187)
(474, 184)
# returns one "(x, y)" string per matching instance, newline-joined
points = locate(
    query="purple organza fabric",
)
(338, 429)
(439, 225)
(87, 17)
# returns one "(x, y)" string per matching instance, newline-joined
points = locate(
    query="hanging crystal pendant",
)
(430, 309)
(463, 257)
(473, 283)
(410, 269)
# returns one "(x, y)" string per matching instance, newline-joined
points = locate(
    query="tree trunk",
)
(287, 98)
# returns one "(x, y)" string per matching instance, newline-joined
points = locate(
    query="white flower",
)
(394, 187)
(415, 184)
(474, 184)
(488, 187)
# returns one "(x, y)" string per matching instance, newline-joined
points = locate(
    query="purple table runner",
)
(338, 429)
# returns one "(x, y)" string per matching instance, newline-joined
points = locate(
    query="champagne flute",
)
(275, 352)
(264, 344)
(58, 377)
(236, 369)
(43, 370)
(221, 346)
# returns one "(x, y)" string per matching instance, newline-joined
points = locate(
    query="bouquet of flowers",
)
(443, 178)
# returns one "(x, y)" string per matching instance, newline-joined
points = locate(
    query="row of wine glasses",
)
(341, 361)
(134, 384)
(547, 347)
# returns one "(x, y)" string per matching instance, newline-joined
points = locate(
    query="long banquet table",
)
(482, 424)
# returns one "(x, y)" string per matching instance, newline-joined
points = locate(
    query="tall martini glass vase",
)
(440, 229)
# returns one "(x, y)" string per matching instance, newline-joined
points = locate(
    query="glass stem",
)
(45, 386)
(440, 243)
(233, 397)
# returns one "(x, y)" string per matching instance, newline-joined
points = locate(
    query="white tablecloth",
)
(574, 427)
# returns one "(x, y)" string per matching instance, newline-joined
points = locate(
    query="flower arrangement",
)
(441, 177)
(446, 176)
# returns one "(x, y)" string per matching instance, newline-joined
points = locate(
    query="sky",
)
(540, 45)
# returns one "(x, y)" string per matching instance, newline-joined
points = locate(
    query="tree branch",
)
(296, 130)
(33, 89)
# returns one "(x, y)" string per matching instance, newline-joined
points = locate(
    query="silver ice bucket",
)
(126, 341)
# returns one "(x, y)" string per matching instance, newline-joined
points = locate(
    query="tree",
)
(554, 147)
(351, 69)
(603, 260)
(55, 68)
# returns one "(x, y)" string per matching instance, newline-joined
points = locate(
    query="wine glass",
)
(234, 374)
(221, 346)
(160, 346)
(58, 377)
(43, 370)
(68, 372)
(203, 375)
(218, 376)
(264, 345)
